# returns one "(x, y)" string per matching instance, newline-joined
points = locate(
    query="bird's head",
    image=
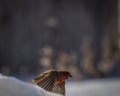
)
(62, 77)
(65, 74)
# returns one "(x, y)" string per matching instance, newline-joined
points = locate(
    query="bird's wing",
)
(45, 80)
(60, 88)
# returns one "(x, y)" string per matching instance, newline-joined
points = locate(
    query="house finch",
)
(52, 80)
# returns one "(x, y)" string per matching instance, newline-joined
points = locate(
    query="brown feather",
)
(60, 88)
(45, 80)
(48, 79)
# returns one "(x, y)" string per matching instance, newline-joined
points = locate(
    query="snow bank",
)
(9, 86)
(94, 88)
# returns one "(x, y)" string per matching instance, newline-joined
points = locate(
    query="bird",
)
(52, 80)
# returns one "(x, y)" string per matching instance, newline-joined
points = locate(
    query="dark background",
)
(80, 36)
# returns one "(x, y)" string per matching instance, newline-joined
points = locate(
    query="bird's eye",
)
(70, 76)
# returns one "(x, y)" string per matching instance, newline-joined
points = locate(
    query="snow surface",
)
(10, 86)
(105, 87)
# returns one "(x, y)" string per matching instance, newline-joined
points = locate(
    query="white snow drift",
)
(104, 87)
(9, 86)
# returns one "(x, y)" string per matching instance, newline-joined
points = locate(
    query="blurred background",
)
(81, 36)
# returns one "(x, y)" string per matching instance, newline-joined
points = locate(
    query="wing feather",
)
(45, 80)
(60, 88)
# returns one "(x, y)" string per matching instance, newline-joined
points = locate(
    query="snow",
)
(105, 87)
(10, 86)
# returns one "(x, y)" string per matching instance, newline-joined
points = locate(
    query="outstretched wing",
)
(45, 80)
